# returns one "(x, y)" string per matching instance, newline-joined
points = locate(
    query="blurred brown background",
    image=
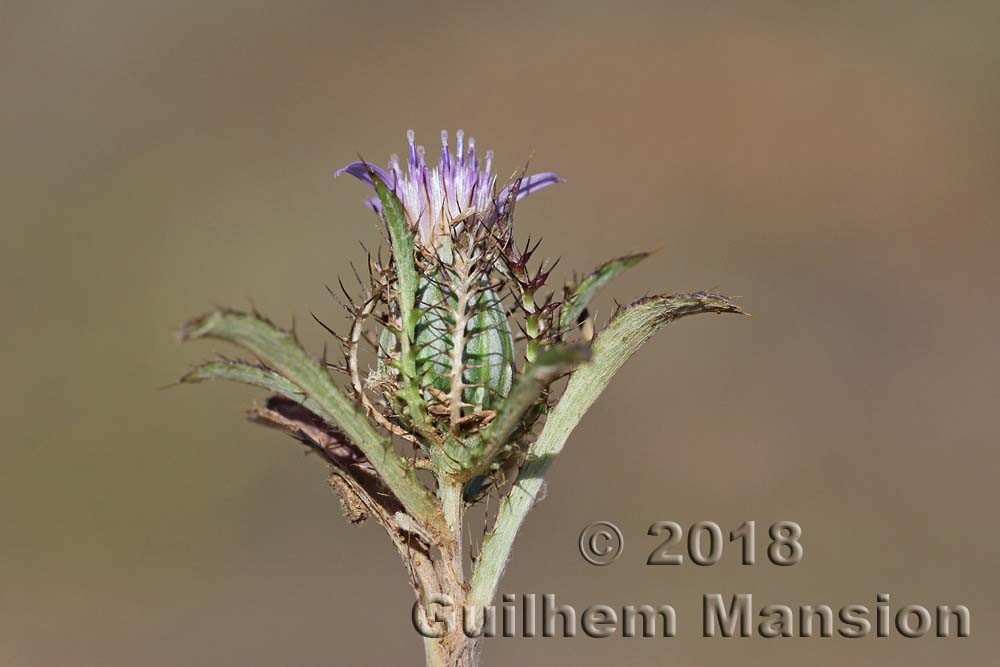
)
(834, 165)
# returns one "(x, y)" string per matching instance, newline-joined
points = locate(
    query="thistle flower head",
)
(468, 344)
(458, 188)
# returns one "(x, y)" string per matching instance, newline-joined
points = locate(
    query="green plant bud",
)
(489, 354)
(488, 357)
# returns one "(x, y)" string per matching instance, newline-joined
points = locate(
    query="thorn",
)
(329, 330)
(357, 276)
(347, 294)
(351, 312)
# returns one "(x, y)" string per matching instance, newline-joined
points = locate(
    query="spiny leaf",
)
(631, 326)
(588, 288)
(290, 401)
(403, 246)
(281, 351)
(628, 329)
(251, 374)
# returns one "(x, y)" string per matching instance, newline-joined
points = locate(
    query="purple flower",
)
(457, 188)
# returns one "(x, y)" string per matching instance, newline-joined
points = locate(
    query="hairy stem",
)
(453, 507)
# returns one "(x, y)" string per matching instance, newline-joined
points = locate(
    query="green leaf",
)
(630, 327)
(403, 248)
(550, 365)
(280, 351)
(588, 288)
(251, 374)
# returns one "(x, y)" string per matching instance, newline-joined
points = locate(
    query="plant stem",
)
(453, 507)
(455, 649)
(462, 652)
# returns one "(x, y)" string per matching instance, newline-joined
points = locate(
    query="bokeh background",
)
(835, 164)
